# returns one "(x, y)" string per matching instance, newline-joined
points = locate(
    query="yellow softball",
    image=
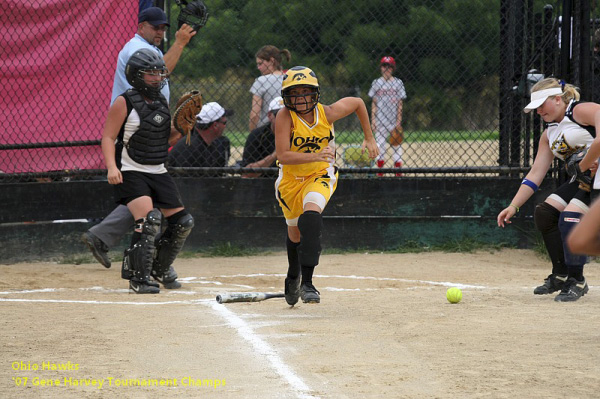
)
(454, 295)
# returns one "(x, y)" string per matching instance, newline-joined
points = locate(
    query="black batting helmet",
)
(300, 76)
(146, 61)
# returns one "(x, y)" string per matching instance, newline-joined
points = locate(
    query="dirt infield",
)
(383, 329)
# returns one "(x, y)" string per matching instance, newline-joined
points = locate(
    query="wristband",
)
(516, 207)
(530, 184)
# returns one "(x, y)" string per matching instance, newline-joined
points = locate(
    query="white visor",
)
(538, 98)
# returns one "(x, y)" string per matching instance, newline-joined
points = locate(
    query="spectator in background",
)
(259, 151)
(152, 25)
(388, 94)
(268, 86)
(208, 147)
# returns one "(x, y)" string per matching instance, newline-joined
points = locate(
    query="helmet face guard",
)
(292, 101)
(152, 90)
(146, 62)
(297, 77)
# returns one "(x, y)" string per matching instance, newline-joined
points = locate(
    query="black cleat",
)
(152, 283)
(572, 290)
(143, 287)
(98, 247)
(309, 293)
(168, 280)
(292, 290)
(552, 283)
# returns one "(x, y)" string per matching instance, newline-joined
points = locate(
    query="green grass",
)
(238, 138)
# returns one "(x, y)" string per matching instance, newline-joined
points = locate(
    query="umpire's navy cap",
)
(154, 16)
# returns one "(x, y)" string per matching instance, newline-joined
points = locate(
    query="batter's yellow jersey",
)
(310, 138)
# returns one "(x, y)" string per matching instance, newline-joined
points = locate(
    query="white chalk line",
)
(201, 280)
(354, 277)
(263, 348)
(192, 302)
(31, 291)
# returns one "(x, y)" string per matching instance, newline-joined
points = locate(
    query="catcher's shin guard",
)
(137, 262)
(169, 244)
(310, 224)
(546, 220)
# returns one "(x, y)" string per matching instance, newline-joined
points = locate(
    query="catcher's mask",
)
(194, 13)
(300, 76)
(143, 62)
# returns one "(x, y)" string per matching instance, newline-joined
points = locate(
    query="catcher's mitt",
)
(396, 136)
(573, 170)
(194, 13)
(188, 106)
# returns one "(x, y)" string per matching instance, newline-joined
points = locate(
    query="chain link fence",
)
(445, 75)
(450, 81)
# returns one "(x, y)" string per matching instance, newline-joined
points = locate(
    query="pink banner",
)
(56, 69)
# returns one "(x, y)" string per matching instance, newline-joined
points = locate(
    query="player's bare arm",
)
(283, 128)
(114, 120)
(542, 163)
(584, 238)
(347, 106)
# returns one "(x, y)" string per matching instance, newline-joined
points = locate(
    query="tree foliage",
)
(446, 50)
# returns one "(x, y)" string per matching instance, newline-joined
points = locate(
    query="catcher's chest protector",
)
(150, 144)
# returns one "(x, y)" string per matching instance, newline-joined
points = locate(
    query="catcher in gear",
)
(571, 128)
(151, 28)
(193, 13)
(388, 94)
(188, 107)
(135, 143)
(305, 147)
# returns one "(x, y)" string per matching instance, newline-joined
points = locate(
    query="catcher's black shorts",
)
(161, 188)
(567, 191)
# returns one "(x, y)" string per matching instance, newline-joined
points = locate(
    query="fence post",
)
(565, 41)
(585, 48)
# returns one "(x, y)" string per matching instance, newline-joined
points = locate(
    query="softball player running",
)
(304, 141)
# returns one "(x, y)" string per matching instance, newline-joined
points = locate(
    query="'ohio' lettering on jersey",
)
(309, 144)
